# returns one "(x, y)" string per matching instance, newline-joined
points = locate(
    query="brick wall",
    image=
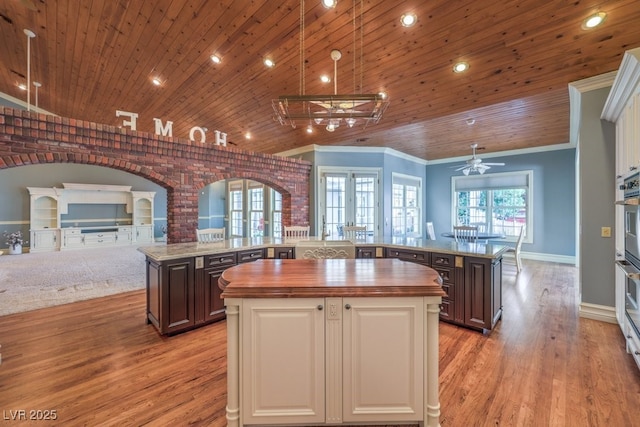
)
(179, 165)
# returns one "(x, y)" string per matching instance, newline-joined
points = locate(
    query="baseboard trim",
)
(536, 256)
(603, 313)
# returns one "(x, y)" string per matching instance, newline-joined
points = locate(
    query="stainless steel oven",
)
(631, 263)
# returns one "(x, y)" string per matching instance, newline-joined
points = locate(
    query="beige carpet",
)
(31, 281)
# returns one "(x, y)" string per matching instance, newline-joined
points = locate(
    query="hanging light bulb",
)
(350, 121)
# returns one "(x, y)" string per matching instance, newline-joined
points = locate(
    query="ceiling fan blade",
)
(460, 167)
(494, 164)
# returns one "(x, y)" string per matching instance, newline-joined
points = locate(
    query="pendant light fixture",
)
(330, 111)
(30, 34)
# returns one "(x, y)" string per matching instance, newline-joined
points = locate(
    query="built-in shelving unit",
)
(50, 232)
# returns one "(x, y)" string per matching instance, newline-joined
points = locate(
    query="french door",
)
(348, 197)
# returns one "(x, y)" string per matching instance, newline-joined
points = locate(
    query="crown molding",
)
(576, 89)
(624, 85)
(350, 149)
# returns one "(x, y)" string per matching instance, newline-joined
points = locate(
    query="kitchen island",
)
(315, 341)
(182, 278)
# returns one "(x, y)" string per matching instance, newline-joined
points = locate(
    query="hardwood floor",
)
(98, 363)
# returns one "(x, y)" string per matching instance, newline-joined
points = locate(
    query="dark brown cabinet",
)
(284, 253)
(170, 295)
(251, 255)
(212, 306)
(482, 292)
(444, 264)
(183, 294)
(369, 252)
(419, 257)
(473, 286)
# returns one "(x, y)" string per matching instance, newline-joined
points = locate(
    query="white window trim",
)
(418, 179)
(529, 175)
(320, 194)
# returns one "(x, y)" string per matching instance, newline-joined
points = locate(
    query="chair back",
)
(295, 231)
(206, 235)
(354, 231)
(520, 239)
(431, 234)
(465, 233)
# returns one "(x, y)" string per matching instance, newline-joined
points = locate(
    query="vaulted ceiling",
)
(97, 56)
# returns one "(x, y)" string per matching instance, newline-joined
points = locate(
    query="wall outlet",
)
(605, 232)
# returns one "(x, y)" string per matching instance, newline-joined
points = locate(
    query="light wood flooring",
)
(98, 363)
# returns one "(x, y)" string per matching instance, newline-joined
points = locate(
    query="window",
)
(406, 213)
(236, 208)
(497, 203)
(256, 209)
(348, 197)
(276, 213)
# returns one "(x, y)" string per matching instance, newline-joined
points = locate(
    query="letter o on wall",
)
(195, 129)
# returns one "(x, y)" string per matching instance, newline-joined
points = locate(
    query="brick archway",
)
(181, 166)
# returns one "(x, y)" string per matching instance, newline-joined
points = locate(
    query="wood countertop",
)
(163, 252)
(308, 278)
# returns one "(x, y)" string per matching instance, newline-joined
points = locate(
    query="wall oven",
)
(631, 263)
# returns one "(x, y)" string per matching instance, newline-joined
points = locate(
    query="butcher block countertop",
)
(307, 278)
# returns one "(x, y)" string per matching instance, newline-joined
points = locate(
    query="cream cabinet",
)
(332, 360)
(44, 230)
(51, 228)
(623, 108)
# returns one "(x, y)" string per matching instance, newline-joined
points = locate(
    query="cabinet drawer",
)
(414, 256)
(446, 274)
(220, 260)
(444, 260)
(72, 231)
(96, 239)
(449, 288)
(252, 255)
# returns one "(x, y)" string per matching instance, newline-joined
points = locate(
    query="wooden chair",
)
(354, 231)
(295, 231)
(206, 235)
(516, 249)
(431, 234)
(465, 233)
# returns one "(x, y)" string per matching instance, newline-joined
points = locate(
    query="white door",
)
(349, 198)
(383, 359)
(283, 361)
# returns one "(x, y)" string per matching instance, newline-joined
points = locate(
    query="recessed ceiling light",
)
(594, 20)
(325, 79)
(408, 19)
(309, 129)
(247, 135)
(269, 62)
(329, 4)
(470, 121)
(383, 95)
(216, 59)
(22, 86)
(460, 67)
(156, 81)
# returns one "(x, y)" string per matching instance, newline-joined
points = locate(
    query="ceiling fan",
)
(474, 164)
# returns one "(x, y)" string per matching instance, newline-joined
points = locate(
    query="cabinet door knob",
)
(347, 306)
(320, 307)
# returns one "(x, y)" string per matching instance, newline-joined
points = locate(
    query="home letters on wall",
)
(167, 129)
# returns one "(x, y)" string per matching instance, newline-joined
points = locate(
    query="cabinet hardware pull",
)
(415, 255)
(347, 306)
(637, 353)
(320, 307)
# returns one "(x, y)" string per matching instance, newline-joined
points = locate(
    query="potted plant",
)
(15, 242)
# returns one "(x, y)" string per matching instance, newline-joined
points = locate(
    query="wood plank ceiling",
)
(96, 57)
